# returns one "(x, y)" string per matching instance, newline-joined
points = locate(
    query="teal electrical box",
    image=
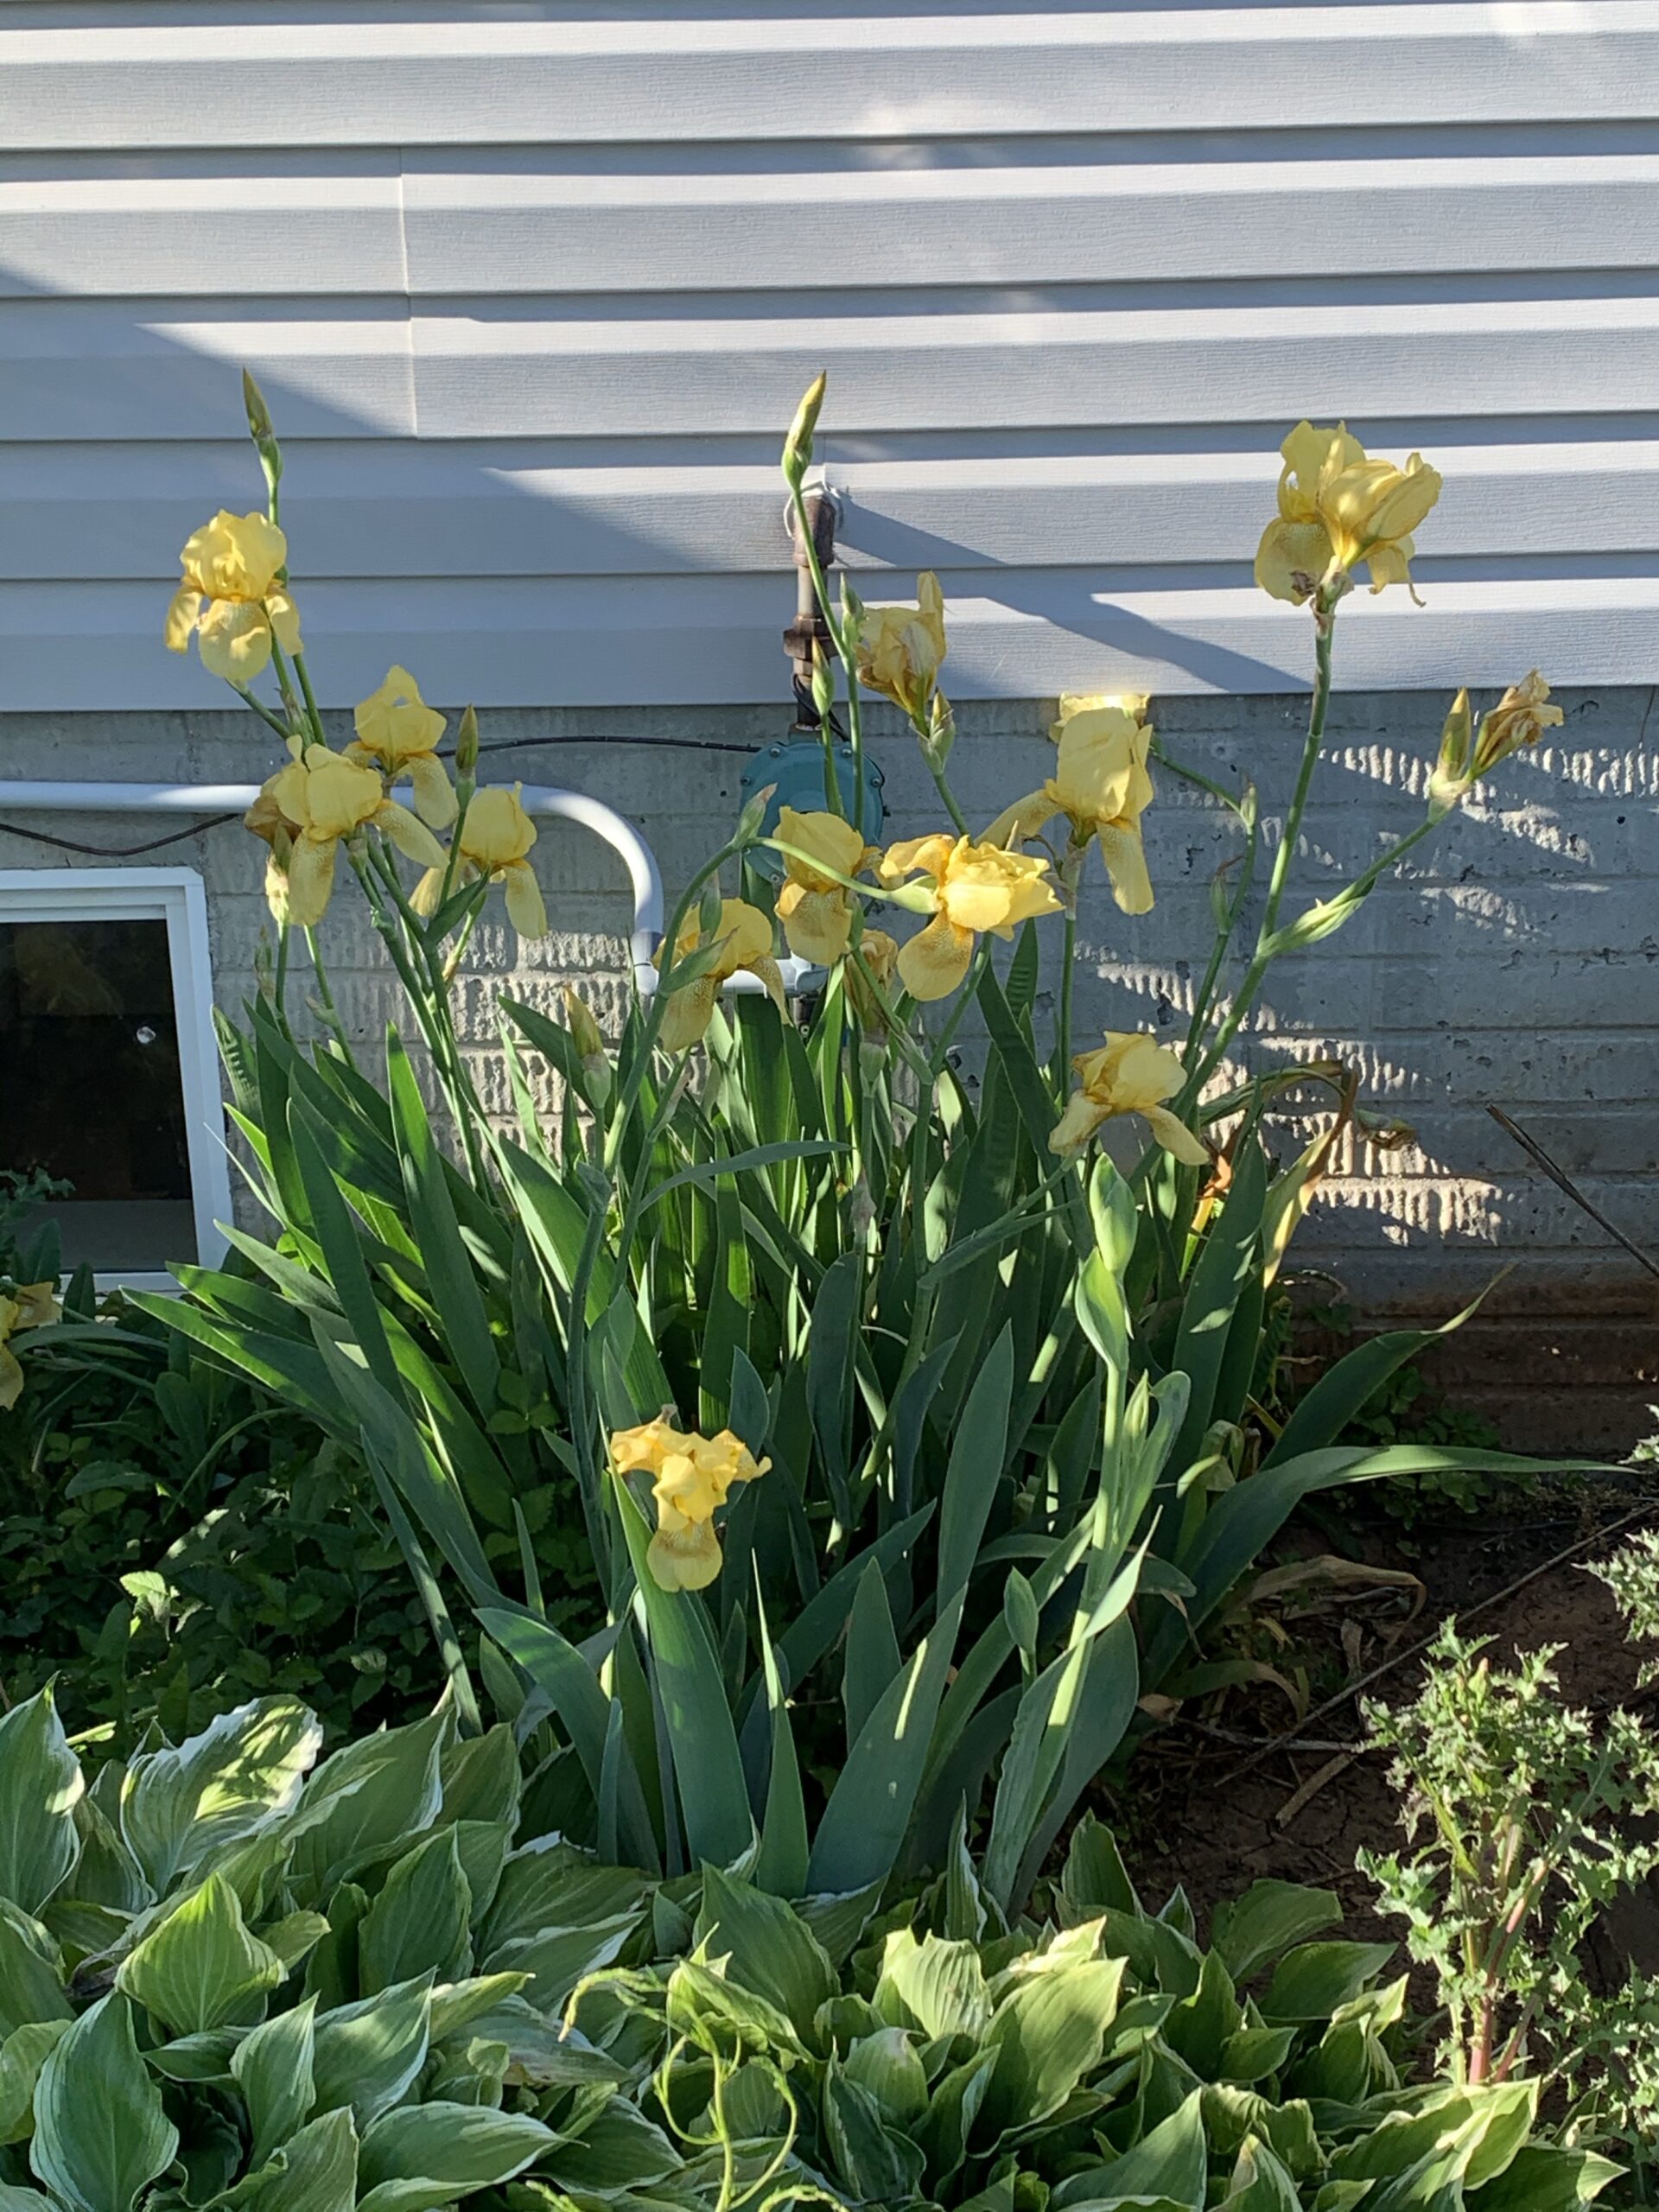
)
(794, 766)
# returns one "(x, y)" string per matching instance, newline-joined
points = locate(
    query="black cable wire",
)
(116, 852)
(680, 744)
(496, 744)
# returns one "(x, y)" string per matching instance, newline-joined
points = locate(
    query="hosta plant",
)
(1098, 2056)
(233, 1977)
(786, 1400)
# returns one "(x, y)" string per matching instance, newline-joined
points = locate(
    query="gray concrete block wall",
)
(1515, 961)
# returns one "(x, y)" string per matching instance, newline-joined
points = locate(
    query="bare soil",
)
(1212, 1808)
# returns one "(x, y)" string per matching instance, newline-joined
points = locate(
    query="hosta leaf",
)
(100, 2133)
(420, 1918)
(1048, 2032)
(200, 1968)
(1250, 2054)
(273, 2068)
(367, 2054)
(106, 1874)
(1170, 2164)
(556, 1959)
(549, 1884)
(1232, 2115)
(887, 2064)
(765, 1945)
(482, 1777)
(40, 1787)
(204, 2057)
(876, 2162)
(22, 2056)
(1261, 2182)
(455, 2148)
(1268, 1919)
(935, 1986)
(1312, 1981)
(1543, 2178)
(616, 2149)
(363, 1803)
(944, 2130)
(457, 2005)
(180, 1807)
(31, 1983)
(314, 2171)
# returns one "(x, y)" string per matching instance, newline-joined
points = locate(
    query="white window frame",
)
(175, 896)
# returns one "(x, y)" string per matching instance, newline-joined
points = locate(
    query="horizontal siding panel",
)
(74, 369)
(520, 376)
(521, 232)
(712, 640)
(479, 508)
(522, 228)
(401, 77)
(206, 230)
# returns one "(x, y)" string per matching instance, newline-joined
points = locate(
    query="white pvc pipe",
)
(592, 814)
(645, 877)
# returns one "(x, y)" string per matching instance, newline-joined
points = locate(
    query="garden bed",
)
(1271, 1798)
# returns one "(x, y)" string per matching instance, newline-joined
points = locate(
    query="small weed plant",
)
(1526, 1817)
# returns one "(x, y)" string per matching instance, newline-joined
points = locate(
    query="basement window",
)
(108, 1067)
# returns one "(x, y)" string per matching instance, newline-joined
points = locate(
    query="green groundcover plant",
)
(825, 1444)
(174, 1538)
(231, 1977)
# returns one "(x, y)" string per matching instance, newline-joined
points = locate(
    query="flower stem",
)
(1325, 630)
(1261, 959)
(658, 1008)
(264, 712)
(949, 799)
(311, 707)
(331, 1012)
(1062, 1026)
(838, 638)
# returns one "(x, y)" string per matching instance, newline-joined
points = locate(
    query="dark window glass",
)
(90, 1089)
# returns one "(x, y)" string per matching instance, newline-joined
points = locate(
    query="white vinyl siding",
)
(533, 291)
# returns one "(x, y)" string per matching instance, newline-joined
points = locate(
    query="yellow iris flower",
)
(304, 811)
(692, 1474)
(974, 886)
(231, 598)
(743, 934)
(29, 1305)
(899, 648)
(494, 838)
(1131, 1073)
(816, 911)
(1102, 785)
(398, 733)
(1338, 506)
